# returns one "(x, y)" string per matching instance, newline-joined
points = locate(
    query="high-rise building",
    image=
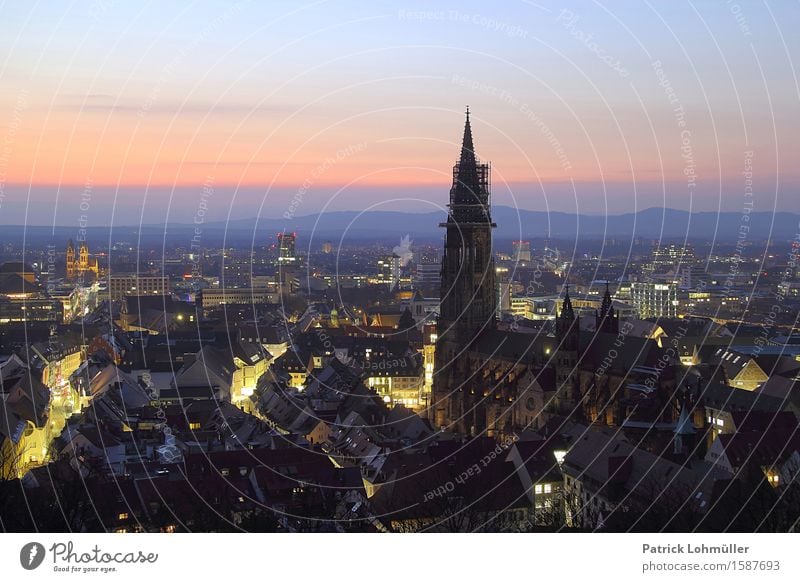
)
(389, 270)
(120, 286)
(671, 257)
(237, 272)
(522, 251)
(468, 291)
(287, 254)
(655, 299)
(427, 275)
(692, 277)
(427, 255)
(504, 287)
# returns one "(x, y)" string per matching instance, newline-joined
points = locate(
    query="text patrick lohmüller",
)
(694, 549)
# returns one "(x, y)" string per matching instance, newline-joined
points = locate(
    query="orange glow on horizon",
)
(123, 149)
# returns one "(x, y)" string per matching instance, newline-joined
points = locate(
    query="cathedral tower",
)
(606, 320)
(83, 257)
(468, 298)
(567, 335)
(70, 260)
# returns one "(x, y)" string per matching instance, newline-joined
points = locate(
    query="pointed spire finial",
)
(607, 306)
(567, 311)
(468, 161)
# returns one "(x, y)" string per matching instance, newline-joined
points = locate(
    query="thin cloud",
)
(101, 103)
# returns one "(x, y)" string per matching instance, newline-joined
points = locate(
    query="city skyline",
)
(585, 110)
(451, 268)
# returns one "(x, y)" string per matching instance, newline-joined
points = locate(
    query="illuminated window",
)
(537, 489)
(122, 516)
(194, 426)
(548, 488)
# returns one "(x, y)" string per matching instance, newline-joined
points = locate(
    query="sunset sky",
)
(122, 111)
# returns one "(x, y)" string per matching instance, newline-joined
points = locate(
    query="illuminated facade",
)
(522, 251)
(427, 275)
(671, 257)
(389, 270)
(214, 298)
(429, 338)
(121, 285)
(655, 299)
(81, 264)
(287, 243)
(397, 381)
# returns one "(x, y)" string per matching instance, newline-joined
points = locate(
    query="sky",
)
(118, 112)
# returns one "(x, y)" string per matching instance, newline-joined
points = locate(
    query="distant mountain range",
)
(513, 223)
(652, 223)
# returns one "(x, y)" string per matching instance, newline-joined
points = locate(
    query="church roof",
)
(12, 283)
(15, 267)
(635, 351)
(507, 344)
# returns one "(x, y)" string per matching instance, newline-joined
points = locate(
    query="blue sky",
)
(574, 104)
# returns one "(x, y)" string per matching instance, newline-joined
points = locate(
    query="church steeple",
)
(567, 325)
(606, 308)
(684, 431)
(70, 260)
(469, 298)
(606, 320)
(567, 312)
(468, 292)
(469, 195)
(566, 362)
(467, 149)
